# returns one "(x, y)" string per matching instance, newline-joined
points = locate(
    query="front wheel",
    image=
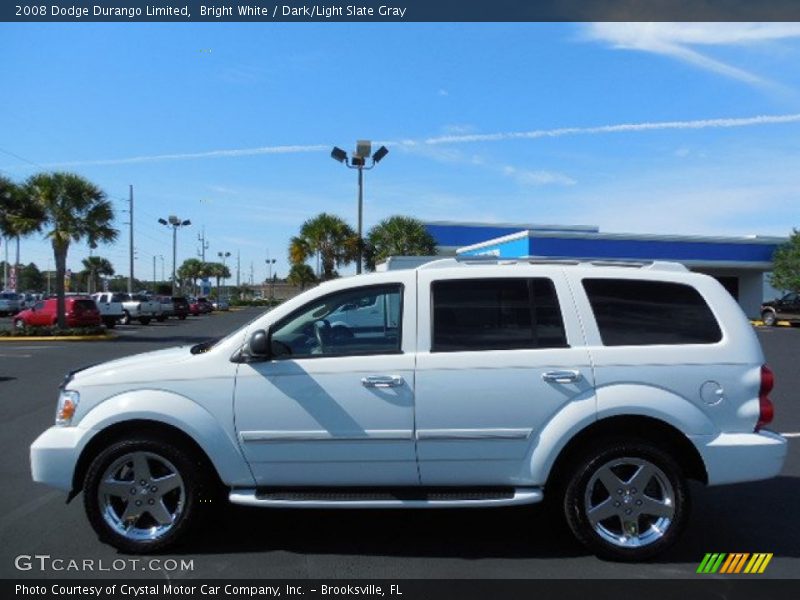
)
(142, 495)
(627, 501)
(125, 319)
(769, 318)
(144, 320)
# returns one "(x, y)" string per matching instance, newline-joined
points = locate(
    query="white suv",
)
(485, 383)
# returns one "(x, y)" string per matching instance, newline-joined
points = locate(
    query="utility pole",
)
(201, 237)
(251, 272)
(130, 210)
(5, 268)
(154, 274)
(238, 266)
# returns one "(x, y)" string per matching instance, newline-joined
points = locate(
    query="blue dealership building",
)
(738, 262)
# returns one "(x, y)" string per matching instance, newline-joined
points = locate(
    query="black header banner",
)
(398, 10)
(401, 589)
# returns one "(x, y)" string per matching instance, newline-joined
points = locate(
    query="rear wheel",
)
(144, 320)
(110, 322)
(627, 501)
(769, 318)
(142, 495)
(161, 318)
(126, 318)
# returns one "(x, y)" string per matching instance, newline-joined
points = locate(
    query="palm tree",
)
(301, 275)
(93, 268)
(397, 236)
(70, 209)
(17, 217)
(329, 235)
(192, 270)
(217, 270)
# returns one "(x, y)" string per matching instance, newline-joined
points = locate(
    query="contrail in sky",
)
(457, 139)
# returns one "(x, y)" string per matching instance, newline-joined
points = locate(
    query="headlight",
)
(67, 405)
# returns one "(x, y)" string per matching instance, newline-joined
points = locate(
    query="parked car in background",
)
(28, 299)
(604, 388)
(138, 307)
(786, 308)
(166, 307)
(110, 305)
(180, 307)
(9, 303)
(80, 311)
(200, 306)
(221, 304)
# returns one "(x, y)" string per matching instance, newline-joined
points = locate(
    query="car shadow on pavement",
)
(752, 517)
(519, 532)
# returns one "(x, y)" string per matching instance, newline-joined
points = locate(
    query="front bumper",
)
(739, 457)
(55, 454)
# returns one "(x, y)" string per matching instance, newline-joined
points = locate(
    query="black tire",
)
(161, 318)
(110, 322)
(182, 505)
(182, 317)
(144, 320)
(610, 538)
(769, 318)
(125, 319)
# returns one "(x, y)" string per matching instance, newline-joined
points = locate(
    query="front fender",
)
(182, 413)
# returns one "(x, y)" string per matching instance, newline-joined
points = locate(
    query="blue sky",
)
(231, 125)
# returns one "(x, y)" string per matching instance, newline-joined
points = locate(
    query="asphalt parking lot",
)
(253, 543)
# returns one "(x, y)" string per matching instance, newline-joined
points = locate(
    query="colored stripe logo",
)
(734, 563)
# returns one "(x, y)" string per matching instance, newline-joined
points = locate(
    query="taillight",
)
(766, 411)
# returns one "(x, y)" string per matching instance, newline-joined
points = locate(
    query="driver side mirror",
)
(258, 344)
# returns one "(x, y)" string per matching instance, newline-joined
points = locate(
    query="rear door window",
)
(633, 312)
(496, 314)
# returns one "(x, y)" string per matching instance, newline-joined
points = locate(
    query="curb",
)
(760, 323)
(58, 338)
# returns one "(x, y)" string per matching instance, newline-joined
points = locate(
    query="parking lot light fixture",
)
(359, 161)
(175, 223)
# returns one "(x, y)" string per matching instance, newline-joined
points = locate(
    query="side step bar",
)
(384, 497)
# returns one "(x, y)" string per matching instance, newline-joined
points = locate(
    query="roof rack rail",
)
(655, 265)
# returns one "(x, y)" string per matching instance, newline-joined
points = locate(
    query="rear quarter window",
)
(633, 312)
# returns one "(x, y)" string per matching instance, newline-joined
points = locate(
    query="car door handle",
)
(561, 376)
(382, 381)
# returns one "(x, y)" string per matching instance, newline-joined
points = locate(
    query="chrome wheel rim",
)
(141, 496)
(630, 502)
(769, 318)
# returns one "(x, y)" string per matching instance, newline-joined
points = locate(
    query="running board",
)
(384, 497)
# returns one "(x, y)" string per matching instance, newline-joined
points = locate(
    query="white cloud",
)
(537, 177)
(676, 40)
(427, 146)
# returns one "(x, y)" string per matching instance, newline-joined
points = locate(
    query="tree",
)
(301, 275)
(93, 268)
(217, 270)
(334, 240)
(397, 236)
(69, 209)
(18, 217)
(192, 270)
(31, 278)
(786, 265)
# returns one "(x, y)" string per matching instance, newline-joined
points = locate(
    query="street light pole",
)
(359, 161)
(223, 256)
(175, 223)
(270, 262)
